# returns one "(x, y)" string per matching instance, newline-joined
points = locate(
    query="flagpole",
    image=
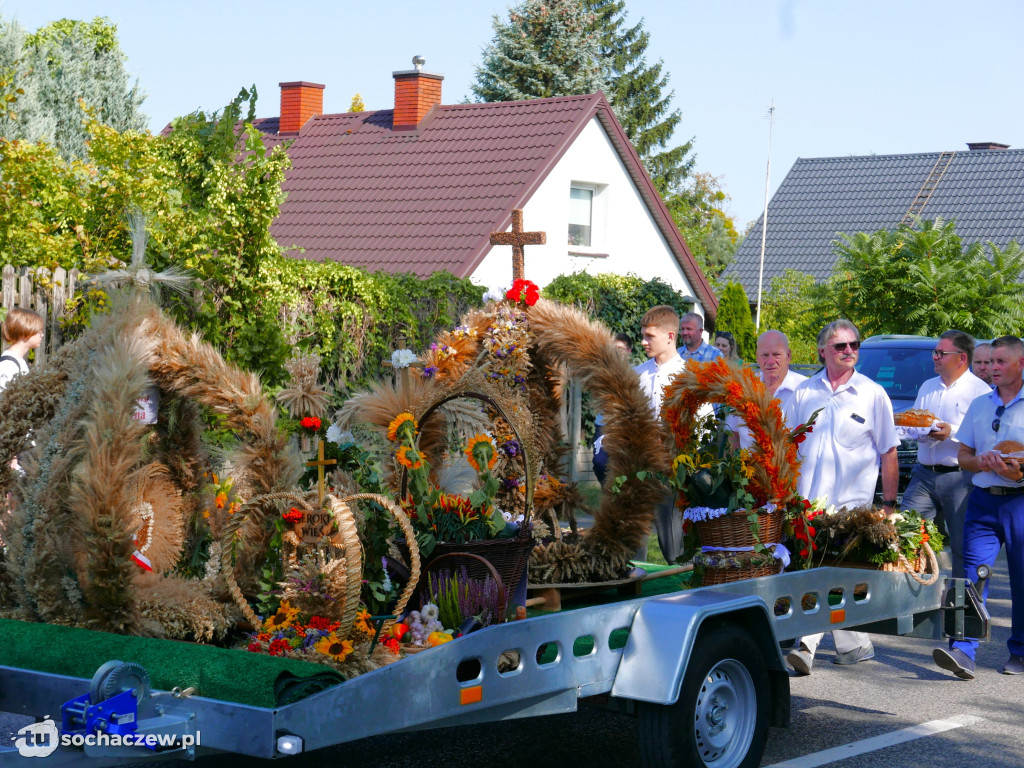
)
(764, 218)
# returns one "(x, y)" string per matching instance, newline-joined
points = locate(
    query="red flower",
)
(524, 291)
(312, 423)
(319, 622)
(255, 647)
(278, 647)
(292, 516)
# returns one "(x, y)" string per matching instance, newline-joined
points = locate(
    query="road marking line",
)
(875, 743)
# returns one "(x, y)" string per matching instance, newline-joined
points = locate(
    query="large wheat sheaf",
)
(74, 523)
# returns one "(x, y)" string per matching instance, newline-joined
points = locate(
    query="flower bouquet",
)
(447, 522)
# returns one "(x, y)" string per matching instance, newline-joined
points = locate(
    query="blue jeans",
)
(991, 522)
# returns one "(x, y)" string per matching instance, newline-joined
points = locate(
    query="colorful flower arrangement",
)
(440, 516)
(289, 633)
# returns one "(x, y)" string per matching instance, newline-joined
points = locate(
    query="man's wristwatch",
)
(889, 503)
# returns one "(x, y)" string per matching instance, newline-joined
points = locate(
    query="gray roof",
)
(983, 190)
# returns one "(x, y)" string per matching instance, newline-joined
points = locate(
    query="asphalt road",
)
(976, 723)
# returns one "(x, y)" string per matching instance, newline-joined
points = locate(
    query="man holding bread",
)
(992, 445)
(938, 488)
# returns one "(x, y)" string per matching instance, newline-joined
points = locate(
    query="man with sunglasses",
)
(995, 508)
(853, 436)
(938, 489)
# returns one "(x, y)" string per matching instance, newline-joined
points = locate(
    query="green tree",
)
(923, 281)
(357, 104)
(638, 92)
(68, 71)
(698, 211)
(546, 48)
(734, 316)
(789, 306)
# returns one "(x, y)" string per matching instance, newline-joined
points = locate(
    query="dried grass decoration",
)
(527, 352)
(766, 476)
(159, 512)
(70, 536)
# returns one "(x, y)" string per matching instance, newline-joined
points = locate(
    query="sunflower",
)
(362, 623)
(396, 425)
(282, 619)
(403, 458)
(334, 647)
(481, 449)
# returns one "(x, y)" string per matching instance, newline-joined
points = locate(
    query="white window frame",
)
(598, 218)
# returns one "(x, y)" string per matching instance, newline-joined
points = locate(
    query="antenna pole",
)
(764, 218)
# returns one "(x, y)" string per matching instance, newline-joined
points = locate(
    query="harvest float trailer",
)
(701, 668)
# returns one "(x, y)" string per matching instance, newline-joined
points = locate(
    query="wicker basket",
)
(728, 575)
(732, 531)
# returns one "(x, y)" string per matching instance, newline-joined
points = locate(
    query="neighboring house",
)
(421, 187)
(982, 189)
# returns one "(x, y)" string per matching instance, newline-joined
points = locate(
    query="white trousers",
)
(844, 639)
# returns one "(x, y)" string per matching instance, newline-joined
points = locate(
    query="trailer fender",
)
(663, 635)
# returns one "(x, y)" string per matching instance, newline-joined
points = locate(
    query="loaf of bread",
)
(915, 417)
(1009, 446)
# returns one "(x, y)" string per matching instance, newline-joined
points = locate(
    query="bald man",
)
(774, 357)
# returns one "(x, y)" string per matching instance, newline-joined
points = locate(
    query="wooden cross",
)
(320, 464)
(517, 238)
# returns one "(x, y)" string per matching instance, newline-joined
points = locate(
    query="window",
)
(581, 213)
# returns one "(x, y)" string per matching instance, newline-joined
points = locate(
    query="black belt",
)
(940, 468)
(1002, 490)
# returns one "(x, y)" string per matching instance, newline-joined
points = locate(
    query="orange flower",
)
(409, 458)
(221, 500)
(481, 447)
(396, 425)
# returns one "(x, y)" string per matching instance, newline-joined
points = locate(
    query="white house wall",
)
(626, 235)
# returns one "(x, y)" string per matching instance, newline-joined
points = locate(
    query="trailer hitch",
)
(964, 608)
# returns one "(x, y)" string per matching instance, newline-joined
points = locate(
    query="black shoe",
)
(1014, 665)
(956, 661)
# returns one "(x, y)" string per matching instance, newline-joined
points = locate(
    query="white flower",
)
(494, 294)
(699, 514)
(429, 612)
(402, 358)
(518, 519)
(507, 516)
(336, 436)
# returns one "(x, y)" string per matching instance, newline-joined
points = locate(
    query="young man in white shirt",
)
(659, 329)
(938, 488)
(853, 436)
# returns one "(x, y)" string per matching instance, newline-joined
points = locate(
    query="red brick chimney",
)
(416, 93)
(299, 102)
(976, 145)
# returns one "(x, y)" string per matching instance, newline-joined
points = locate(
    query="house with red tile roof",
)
(420, 188)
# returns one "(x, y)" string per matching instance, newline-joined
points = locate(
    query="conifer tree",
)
(546, 48)
(638, 93)
(61, 67)
(357, 104)
(734, 316)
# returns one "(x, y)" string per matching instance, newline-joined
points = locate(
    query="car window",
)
(900, 371)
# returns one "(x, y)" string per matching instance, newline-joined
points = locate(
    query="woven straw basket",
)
(732, 531)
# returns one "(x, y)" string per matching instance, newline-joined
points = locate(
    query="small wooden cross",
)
(517, 238)
(320, 463)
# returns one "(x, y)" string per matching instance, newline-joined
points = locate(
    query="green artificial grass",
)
(216, 673)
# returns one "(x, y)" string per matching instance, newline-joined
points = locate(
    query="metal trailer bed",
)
(709, 655)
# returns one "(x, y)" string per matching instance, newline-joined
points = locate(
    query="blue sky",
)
(847, 78)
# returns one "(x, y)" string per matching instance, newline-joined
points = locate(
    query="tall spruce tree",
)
(546, 48)
(638, 93)
(61, 68)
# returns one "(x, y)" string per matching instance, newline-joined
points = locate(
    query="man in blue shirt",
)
(995, 508)
(691, 333)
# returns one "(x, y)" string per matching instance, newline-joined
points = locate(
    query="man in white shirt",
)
(660, 327)
(773, 357)
(853, 436)
(983, 362)
(938, 488)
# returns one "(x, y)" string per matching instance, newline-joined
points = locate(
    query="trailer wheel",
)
(721, 717)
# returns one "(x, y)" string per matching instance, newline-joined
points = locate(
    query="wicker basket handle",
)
(527, 513)
(432, 566)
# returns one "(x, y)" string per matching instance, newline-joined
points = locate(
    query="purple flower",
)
(511, 483)
(511, 448)
(429, 371)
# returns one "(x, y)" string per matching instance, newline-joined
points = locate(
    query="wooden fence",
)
(39, 290)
